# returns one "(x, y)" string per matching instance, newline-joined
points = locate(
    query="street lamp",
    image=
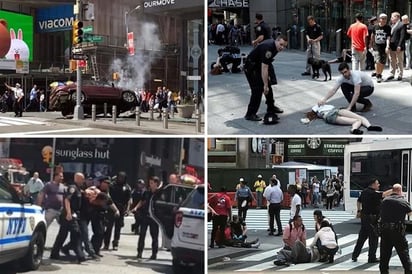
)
(126, 13)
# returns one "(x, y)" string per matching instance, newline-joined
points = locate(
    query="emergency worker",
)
(243, 196)
(393, 211)
(147, 221)
(260, 75)
(369, 206)
(262, 30)
(69, 220)
(120, 193)
(137, 195)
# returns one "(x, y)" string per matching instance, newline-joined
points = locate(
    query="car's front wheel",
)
(74, 97)
(129, 97)
(34, 255)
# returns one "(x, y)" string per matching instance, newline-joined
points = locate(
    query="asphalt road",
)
(122, 261)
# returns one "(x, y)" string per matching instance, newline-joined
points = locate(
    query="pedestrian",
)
(262, 30)
(18, 99)
(379, 43)
(33, 187)
(326, 241)
(358, 33)
(42, 103)
(243, 197)
(238, 234)
(294, 231)
(393, 228)
(316, 192)
(50, 198)
(314, 34)
(330, 195)
(261, 76)
(370, 63)
(137, 196)
(274, 196)
(369, 205)
(34, 102)
(408, 32)
(69, 220)
(221, 208)
(120, 193)
(295, 202)
(259, 186)
(356, 86)
(396, 46)
(318, 217)
(304, 192)
(147, 221)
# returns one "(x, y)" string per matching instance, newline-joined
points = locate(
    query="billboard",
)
(16, 30)
(51, 19)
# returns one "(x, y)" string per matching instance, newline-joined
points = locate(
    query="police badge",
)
(268, 54)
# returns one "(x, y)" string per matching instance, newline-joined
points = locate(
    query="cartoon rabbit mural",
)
(19, 50)
(5, 39)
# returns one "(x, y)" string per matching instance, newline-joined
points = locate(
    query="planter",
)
(185, 111)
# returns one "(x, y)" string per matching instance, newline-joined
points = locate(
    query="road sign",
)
(77, 50)
(93, 38)
(88, 29)
(79, 56)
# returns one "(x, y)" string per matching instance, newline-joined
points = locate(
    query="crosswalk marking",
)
(347, 244)
(9, 121)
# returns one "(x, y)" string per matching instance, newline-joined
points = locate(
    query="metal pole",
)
(138, 116)
(114, 114)
(338, 42)
(165, 119)
(302, 39)
(94, 112)
(267, 153)
(105, 110)
(288, 37)
(78, 109)
(198, 120)
(151, 114)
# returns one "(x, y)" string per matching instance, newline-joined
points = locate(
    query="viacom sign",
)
(52, 19)
(228, 3)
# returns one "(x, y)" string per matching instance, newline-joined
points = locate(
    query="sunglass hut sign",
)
(81, 154)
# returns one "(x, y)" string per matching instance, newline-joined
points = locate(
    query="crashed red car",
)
(63, 97)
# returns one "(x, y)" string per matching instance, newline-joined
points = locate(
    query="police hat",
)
(270, 119)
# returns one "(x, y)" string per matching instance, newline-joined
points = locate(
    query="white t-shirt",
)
(296, 200)
(326, 236)
(356, 78)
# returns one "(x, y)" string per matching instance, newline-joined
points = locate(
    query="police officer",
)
(120, 193)
(393, 210)
(260, 74)
(137, 195)
(243, 196)
(147, 221)
(69, 220)
(369, 205)
(262, 30)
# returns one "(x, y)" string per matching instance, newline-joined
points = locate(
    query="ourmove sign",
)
(229, 4)
(158, 3)
(170, 5)
(58, 18)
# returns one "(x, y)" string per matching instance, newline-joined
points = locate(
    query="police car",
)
(22, 229)
(179, 211)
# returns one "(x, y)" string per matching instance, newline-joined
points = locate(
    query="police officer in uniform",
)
(369, 205)
(393, 210)
(69, 220)
(120, 193)
(262, 30)
(260, 74)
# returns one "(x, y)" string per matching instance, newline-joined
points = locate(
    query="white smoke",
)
(134, 72)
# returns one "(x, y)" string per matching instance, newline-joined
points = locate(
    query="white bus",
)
(388, 160)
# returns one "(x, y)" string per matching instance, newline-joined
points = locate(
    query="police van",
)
(179, 211)
(22, 229)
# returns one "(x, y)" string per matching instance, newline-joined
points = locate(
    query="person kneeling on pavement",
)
(235, 234)
(326, 241)
(298, 254)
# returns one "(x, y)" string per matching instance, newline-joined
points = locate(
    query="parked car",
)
(179, 211)
(22, 229)
(63, 97)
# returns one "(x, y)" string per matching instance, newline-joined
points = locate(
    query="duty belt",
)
(392, 226)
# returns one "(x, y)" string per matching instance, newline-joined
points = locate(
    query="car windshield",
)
(196, 199)
(96, 83)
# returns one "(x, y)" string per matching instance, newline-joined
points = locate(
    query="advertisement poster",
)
(16, 39)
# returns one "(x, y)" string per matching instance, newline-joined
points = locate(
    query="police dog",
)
(320, 64)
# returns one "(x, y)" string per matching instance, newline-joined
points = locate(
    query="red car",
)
(63, 97)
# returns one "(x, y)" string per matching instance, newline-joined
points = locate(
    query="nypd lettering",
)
(16, 226)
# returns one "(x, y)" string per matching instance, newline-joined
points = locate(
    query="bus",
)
(388, 160)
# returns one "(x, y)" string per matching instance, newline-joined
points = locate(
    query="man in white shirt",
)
(18, 99)
(274, 196)
(33, 186)
(295, 201)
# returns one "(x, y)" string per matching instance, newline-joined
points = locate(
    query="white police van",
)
(22, 229)
(179, 211)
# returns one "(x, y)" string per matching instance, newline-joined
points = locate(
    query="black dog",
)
(320, 64)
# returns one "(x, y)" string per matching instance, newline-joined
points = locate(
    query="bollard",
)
(105, 110)
(151, 114)
(137, 113)
(165, 119)
(302, 39)
(94, 112)
(338, 42)
(172, 110)
(198, 120)
(114, 114)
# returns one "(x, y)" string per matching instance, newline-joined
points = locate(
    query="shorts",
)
(330, 117)
(379, 54)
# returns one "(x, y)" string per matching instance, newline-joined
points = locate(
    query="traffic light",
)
(77, 32)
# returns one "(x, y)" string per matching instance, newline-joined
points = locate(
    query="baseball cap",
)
(259, 176)
(241, 179)
(383, 15)
(372, 19)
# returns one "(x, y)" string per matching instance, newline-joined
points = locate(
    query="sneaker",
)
(373, 260)
(379, 79)
(105, 247)
(221, 246)
(306, 73)
(256, 245)
(354, 259)
(115, 248)
(277, 110)
(65, 250)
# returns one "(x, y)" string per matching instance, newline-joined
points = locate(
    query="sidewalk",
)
(228, 96)
(125, 122)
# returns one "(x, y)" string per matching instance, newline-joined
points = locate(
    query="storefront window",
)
(195, 56)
